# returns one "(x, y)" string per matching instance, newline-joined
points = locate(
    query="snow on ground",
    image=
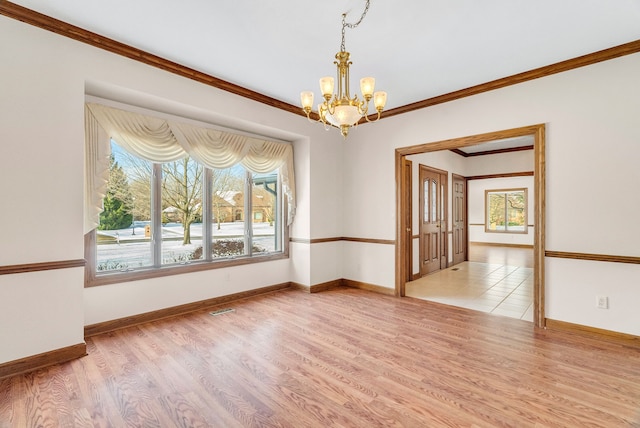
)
(129, 248)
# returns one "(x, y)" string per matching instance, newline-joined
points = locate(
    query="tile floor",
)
(497, 288)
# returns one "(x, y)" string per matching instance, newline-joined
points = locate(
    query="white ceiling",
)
(507, 143)
(416, 49)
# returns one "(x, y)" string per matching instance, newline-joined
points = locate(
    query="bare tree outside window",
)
(506, 211)
(182, 193)
(243, 212)
(224, 183)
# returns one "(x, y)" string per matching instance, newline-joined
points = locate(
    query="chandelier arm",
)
(374, 120)
(322, 115)
(363, 108)
(331, 108)
(319, 120)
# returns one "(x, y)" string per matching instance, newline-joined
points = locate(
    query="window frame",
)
(93, 278)
(505, 192)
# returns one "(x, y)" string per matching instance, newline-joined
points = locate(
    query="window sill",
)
(93, 280)
(508, 232)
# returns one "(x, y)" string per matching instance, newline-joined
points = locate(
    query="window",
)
(133, 215)
(180, 211)
(506, 211)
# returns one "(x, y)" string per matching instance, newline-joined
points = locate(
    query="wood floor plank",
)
(340, 358)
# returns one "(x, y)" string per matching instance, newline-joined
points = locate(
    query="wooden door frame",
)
(402, 244)
(407, 209)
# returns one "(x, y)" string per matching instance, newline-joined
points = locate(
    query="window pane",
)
(425, 186)
(265, 227)
(227, 212)
(507, 211)
(496, 211)
(154, 214)
(516, 212)
(442, 193)
(434, 201)
(123, 236)
(181, 211)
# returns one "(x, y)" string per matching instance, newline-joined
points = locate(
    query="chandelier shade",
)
(344, 115)
(366, 86)
(379, 100)
(306, 98)
(326, 86)
(339, 109)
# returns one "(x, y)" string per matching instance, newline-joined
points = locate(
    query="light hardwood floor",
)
(340, 358)
(505, 255)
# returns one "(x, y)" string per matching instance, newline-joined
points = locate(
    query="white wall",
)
(446, 160)
(501, 163)
(40, 311)
(592, 148)
(44, 77)
(477, 205)
(345, 188)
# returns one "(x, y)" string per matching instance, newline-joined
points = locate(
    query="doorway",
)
(403, 244)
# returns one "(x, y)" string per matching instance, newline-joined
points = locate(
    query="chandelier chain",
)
(351, 25)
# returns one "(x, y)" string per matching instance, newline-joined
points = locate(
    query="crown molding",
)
(491, 152)
(62, 28)
(559, 67)
(45, 22)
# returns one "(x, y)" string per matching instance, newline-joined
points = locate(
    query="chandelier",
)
(339, 109)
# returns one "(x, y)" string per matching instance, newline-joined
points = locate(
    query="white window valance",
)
(161, 140)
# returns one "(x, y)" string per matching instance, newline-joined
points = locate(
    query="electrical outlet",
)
(602, 302)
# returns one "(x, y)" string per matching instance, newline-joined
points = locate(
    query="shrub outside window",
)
(167, 195)
(506, 211)
(199, 215)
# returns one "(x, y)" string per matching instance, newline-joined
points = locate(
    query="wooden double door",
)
(434, 215)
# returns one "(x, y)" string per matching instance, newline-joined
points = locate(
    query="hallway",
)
(497, 280)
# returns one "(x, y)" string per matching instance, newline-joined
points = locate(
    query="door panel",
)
(433, 230)
(444, 236)
(459, 216)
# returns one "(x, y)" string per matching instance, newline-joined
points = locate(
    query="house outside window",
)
(176, 197)
(128, 244)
